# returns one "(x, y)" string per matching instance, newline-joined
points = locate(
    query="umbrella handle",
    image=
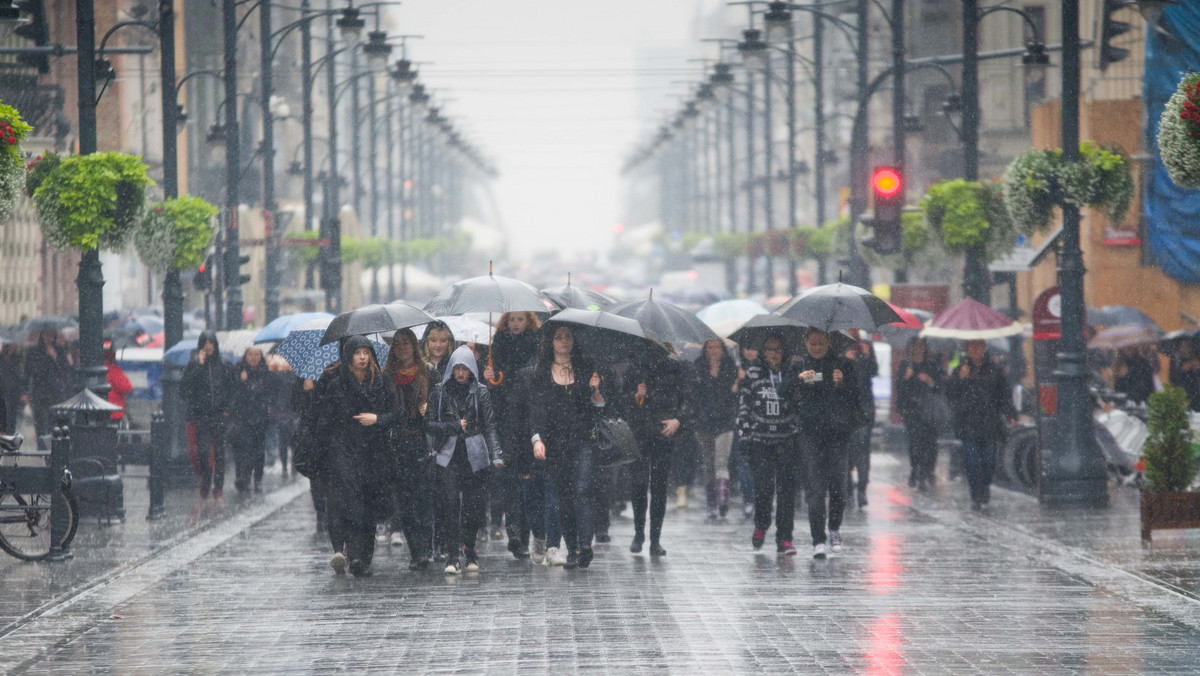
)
(640, 399)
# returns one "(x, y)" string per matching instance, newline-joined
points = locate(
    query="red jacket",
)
(119, 388)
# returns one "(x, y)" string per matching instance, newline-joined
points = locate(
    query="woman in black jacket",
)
(982, 405)
(561, 419)
(461, 421)
(918, 391)
(767, 431)
(355, 407)
(653, 399)
(413, 482)
(514, 347)
(250, 415)
(208, 386)
(714, 395)
(828, 406)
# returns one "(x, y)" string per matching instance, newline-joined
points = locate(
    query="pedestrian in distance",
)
(653, 400)
(12, 386)
(982, 405)
(461, 423)
(767, 427)
(514, 347)
(825, 388)
(564, 393)
(1185, 371)
(1133, 374)
(859, 444)
(714, 400)
(49, 369)
(413, 483)
(307, 452)
(254, 390)
(921, 401)
(355, 406)
(119, 387)
(282, 412)
(208, 387)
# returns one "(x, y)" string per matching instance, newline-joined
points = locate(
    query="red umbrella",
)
(910, 320)
(969, 319)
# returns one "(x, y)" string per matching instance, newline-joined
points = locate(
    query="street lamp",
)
(377, 51)
(350, 25)
(778, 21)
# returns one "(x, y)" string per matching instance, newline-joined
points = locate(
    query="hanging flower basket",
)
(777, 244)
(756, 245)
(1038, 180)
(965, 214)
(12, 175)
(175, 233)
(92, 201)
(798, 240)
(1179, 133)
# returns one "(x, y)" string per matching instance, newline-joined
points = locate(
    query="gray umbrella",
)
(671, 323)
(840, 306)
(582, 298)
(603, 336)
(487, 294)
(374, 319)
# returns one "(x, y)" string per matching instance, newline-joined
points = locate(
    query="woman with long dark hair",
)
(918, 387)
(251, 415)
(564, 393)
(413, 481)
(714, 396)
(652, 391)
(514, 347)
(355, 406)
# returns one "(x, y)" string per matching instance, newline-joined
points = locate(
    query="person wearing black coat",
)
(825, 390)
(714, 401)
(461, 421)
(208, 387)
(306, 442)
(1133, 375)
(919, 398)
(514, 347)
(414, 470)
(652, 397)
(767, 429)
(48, 371)
(12, 387)
(355, 408)
(253, 395)
(982, 404)
(564, 393)
(859, 444)
(1185, 371)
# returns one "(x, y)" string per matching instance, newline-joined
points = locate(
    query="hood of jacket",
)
(463, 356)
(206, 336)
(350, 346)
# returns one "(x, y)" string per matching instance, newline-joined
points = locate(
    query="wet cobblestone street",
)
(921, 587)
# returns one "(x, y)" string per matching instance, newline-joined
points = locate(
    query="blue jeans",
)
(979, 463)
(541, 508)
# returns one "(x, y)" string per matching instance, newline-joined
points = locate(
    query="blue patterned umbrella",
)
(308, 358)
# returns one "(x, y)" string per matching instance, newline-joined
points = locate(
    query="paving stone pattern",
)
(922, 587)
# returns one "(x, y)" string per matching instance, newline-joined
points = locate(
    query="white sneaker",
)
(555, 557)
(537, 553)
(835, 541)
(819, 551)
(338, 563)
(397, 539)
(381, 532)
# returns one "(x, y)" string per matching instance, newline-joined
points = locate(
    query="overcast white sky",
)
(551, 91)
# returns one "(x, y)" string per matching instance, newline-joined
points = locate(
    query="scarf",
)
(406, 376)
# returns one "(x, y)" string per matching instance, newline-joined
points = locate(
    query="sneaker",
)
(585, 557)
(636, 545)
(397, 539)
(472, 559)
(555, 557)
(757, 539)
(786, 548)
(452, 566)
(835, 541)
(338, 563)
(518, 549)
(482, 535)
(381, 533)
(537, 553)
(497, 534)
(819, 551)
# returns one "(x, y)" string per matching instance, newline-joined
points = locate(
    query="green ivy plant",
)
(1170, 451)
(92, 201)
(1038, 180)
(13, 130)
(175, 233)
(964, 214)
(1179, 133)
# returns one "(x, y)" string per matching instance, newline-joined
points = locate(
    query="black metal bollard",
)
(60, 456)
(160, 440)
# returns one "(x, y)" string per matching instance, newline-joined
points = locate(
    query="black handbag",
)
(614, 442)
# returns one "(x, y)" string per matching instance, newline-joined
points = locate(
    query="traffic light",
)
(887, 189)
(36, 31)
(1111, 28)
(204, 278)
(233, 273)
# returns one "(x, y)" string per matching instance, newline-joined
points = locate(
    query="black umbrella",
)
(487, 294)
(758, 328)
(840, 306)
(374, 319)
(578, 297)
(670, 323)
(603, 336)
(51, 323)
(1118, 315)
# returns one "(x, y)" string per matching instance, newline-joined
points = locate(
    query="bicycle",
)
(25, 517)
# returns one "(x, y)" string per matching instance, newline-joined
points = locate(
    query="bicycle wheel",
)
(25, 523)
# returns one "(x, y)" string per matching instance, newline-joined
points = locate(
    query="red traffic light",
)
(886, 182)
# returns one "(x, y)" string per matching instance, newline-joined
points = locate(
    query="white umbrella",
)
(465, 330)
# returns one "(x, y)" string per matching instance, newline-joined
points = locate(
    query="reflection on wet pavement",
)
(922, 586)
